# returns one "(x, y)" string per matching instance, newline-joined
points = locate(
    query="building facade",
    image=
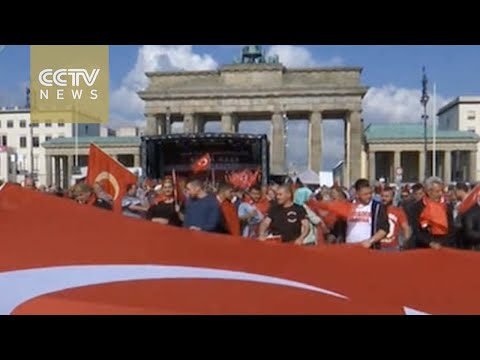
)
(61, 154)
(24, 140)
(258, 90)
(389, 147)
(462, 114)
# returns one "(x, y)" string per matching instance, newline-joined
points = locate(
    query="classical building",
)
(61, 154)
(261, 89)
(462, 113)
(392, 146)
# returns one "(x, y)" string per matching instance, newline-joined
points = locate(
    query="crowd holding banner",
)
(380, 217)
(285, 224)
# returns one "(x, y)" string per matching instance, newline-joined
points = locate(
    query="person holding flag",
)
(167, 210)
(432, 218)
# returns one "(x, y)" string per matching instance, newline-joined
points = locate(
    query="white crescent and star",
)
(20, 286)
(105, 175)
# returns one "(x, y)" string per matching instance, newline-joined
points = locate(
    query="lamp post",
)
(424, 101)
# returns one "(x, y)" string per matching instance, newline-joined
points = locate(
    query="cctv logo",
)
(68, 77)
(48, 77)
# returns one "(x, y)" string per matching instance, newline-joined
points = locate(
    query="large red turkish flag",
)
(76, 259)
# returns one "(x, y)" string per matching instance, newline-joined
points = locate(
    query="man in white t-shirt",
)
(368, 223)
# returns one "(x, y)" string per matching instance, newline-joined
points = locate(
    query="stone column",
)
(70, 163)
(422, 163)
(315, 141)
(136, 160)
(151, 124)
(199, 125)
(473, 166)
(229, 123)
(354, 137)
(162, 124)
(188, 123)
(57, 171)
(397, 160)
(48, 169)
(65, 171)
(278, 156)
(372, 171)
(447, 166)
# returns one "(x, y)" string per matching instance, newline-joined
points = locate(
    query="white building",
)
(22, 142)
(462, 113)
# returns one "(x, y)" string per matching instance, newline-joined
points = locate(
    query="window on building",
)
(36, 141)
(9, 123)
(471, 129)
(4, 140)
(34, 124)
(48, 137)
(61, 124)
(61, 136)
(471, 115)
(23, 141)
(23, 123)
(126, 160)
(48, 124)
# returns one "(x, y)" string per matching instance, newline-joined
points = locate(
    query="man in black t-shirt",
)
(287, 220)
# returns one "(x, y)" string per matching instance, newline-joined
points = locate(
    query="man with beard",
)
(286, 220)
(202, 211)
(398, 223)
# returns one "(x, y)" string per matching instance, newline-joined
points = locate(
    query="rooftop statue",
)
(253, 54)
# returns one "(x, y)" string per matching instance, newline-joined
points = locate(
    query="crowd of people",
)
(425, 215)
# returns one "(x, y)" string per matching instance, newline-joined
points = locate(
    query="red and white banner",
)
(59, 257)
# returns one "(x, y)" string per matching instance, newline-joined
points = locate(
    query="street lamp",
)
(424, 101)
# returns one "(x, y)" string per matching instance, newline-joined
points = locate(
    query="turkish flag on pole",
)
(202, 164)
(470, 200)
(113, 176)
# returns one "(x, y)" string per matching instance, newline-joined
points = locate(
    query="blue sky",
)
(393, 74)
(454, 68)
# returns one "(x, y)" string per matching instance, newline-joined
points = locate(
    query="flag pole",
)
(174, 180)
(434, 131)
(213, 177)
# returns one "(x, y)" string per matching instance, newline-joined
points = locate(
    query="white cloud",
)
(299, 56)
(124, 101)
(390, 104)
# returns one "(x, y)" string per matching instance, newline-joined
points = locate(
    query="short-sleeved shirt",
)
(287, 221)
(396, 219)
(128, 201)
(164, 211)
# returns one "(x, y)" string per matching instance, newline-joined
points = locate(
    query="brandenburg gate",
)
(256, 88)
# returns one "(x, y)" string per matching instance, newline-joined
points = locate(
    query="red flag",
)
(470, 201)
(118, 265)
(113, 176)
(243, 179)
(340, 208)
(202, 164)
(434, 216)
